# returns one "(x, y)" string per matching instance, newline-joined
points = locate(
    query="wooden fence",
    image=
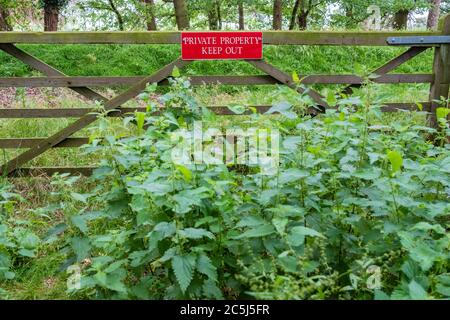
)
(439, 81)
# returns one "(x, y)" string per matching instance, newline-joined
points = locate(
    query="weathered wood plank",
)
(404, 78)
(411, 106)
(60, 112)
(119, 81)
(445, 51)
(441, 65)
(219, 110)
(79, 112)
(399, 60)
(49, 171)
(351, 38)
(73, 82)
(25, 143)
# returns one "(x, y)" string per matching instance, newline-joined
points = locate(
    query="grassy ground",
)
(43, 279)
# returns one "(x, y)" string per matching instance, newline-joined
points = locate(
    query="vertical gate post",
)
(441, 72)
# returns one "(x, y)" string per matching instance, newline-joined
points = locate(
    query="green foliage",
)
(52, 3)
(17, 242)
(347, 200)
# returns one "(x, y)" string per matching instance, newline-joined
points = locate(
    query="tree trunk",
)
(241, 15)
(277, 15)
(51, 18)
(401, 19)
(219, 14)
(181, 14)
(294, 15)
(4, 23)
(150, 14)
(433, 15)
(212, 20)
(303, 20)
(118, 14)
(213, 17)
(349, 16)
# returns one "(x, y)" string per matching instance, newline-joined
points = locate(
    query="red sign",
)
(221, 45)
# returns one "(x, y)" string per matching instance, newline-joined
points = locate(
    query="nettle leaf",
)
(425, 226)
(27, 253)
(420, 252)
(168, 255)
(250, 221)
(176, 72)
(287, 211)
(283, 108)
(291, 175)
(410, 269)
(158, 189)
(54, 232)
(192, 233)
(258, 232)
(81, 247)
(331, 99)
(143, 217)
(80, 223)
(112, 281)
(280, 224)
(139, 203)
(187, 174)
(205, 266)
(442, 113)
(416, 291)
(115, 265)
(185, 199)
(373, 157)
(295, 77)
(380, 295)
(140, 120)
(396, 160)
(183, 267)
(29, 240)
(291, 143)
(368, 174)
(443, 285)
(80, 197)
(304, 231)
(165, 229)
(295, 239)
(236, 108)
(267, 196)
(211, 290)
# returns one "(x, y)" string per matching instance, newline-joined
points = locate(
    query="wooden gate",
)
(439, 81)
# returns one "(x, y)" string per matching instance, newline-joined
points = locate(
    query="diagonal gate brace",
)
(287, 80)
(87, 119)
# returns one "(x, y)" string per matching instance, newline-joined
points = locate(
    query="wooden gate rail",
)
(337, 38)
(76, 82)
(55, 113)
(439, 81)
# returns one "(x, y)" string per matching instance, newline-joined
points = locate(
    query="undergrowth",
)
(357, 209)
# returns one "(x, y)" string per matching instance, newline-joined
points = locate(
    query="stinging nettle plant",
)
(348, 198)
